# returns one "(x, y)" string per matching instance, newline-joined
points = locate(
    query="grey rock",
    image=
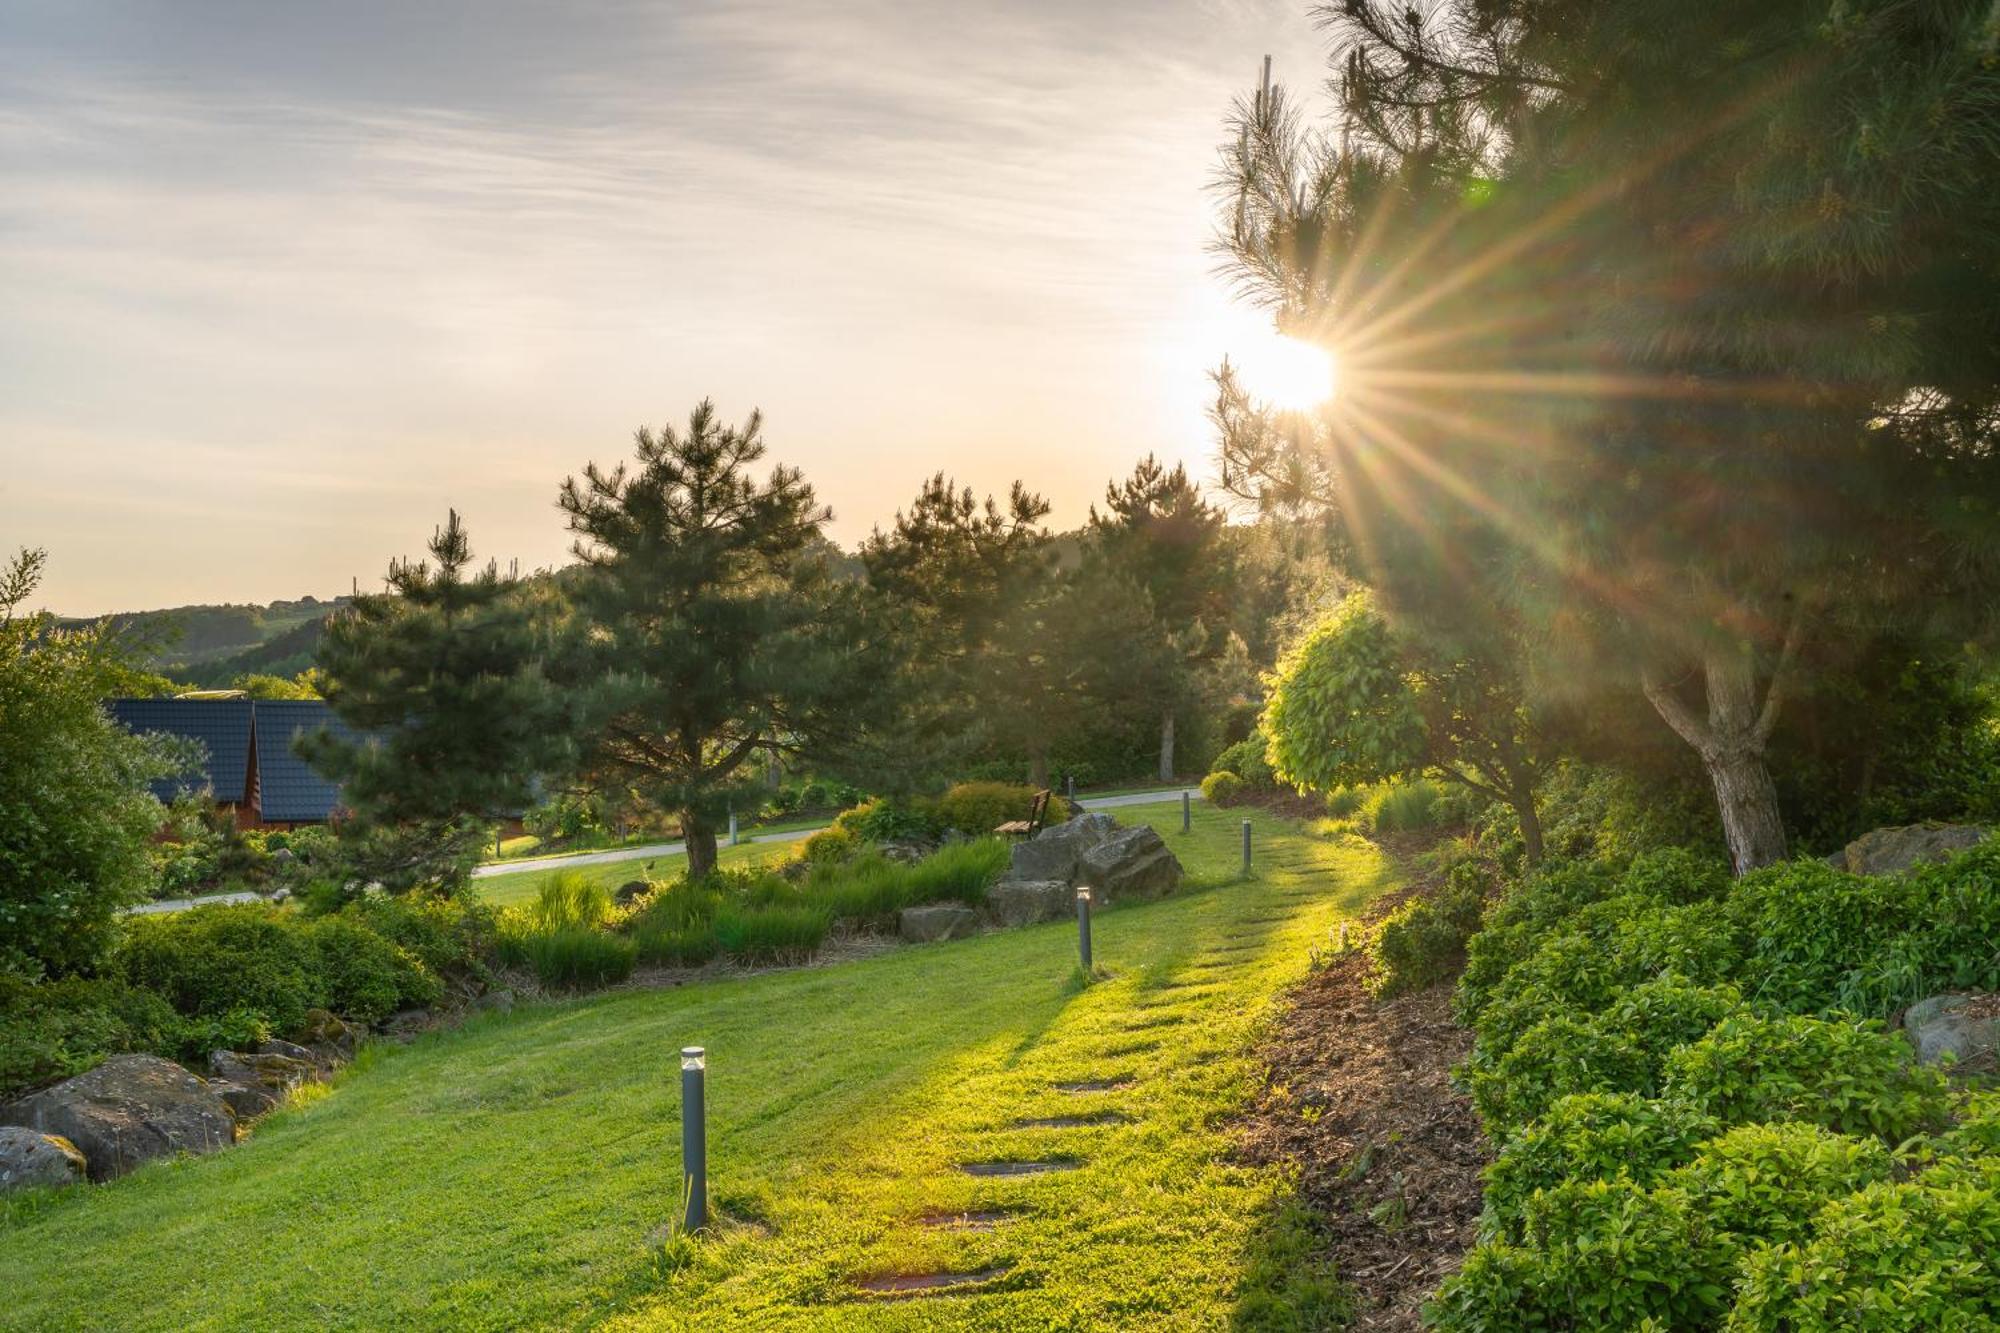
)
(1965, 1027)
(291, 1048)
(1084, 830)
(128, 1110)
(1132, 863)
(1889, 851)
(30, 1160)
(1022, 902)
(253, 1082)
(332, 1040)
(1043, 859)
(940, 921)
(906, 851)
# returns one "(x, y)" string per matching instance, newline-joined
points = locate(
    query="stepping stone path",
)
(978, 1219)
(1075, 1121)
(1095, 1085)
(927, 1284)
(1135, 1048)
(1144, 1024)
(1019, 1168)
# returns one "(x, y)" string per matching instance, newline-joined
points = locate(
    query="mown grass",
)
(520, 886)
(522, 1171)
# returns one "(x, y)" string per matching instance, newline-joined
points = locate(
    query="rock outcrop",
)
(1023, 902)
(1964, 1027)
(128, 1110)
(251, 1083)
(1890, 851)
(30, 1160)
(1090, 849)
(939, 921)
(1131, 863)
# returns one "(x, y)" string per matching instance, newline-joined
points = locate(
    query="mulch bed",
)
(1358, 1098)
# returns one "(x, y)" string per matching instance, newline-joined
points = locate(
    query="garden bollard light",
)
(1246, 847)
(694, 1136)
(1083, 927)
(733, 839)
(1187, 810)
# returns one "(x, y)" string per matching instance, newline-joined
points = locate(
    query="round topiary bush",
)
(1222, 788)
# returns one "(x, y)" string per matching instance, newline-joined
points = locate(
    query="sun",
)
(1287, 373)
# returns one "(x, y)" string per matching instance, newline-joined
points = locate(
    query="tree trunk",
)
(1038, 766)
(1167, 747)
(1748, 802)
(1731, 745)
(700, 840)
(1531, 825)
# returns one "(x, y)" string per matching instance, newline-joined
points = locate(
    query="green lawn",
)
(528, 846)
(520, 1171)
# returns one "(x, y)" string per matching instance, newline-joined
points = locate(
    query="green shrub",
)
(1894, 1258)
(567, 900)
(885, 820)
(977, 808)
(1848, 1075)
(960, 872)
(1592, 1136)
(213, 961)
(1221, 788)
(1403, 807)
(1813, 925)
(869, 890)
(452, 937)
(1558, 1056)
(830, 846)
(53, 1029)
(1419, 943)
(772, 934)
(365, 976)
(1595, 1254)
(1767, 1181)
(670, 946)
(1247, 760)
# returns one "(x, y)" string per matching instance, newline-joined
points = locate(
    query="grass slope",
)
(520, 1171)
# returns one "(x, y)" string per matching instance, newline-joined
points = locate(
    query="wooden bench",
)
(1038, 814)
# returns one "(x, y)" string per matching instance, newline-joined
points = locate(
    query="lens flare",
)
(1287, 373)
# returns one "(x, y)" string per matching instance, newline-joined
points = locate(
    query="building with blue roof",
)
(245, 754)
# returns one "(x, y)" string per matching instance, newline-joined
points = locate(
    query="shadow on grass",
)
(1289, 1284)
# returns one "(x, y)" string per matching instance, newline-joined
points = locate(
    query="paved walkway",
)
(530, 864)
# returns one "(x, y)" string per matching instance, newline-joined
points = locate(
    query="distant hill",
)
(212, 645)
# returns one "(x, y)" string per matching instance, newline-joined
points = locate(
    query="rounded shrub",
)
(977, 808)
(1423, 940)
(1846, 1074)
(830, 846)
(365, 976)
(1562, 1054)
(1221, 788)
(212, 961)
(1767, 1181)
(1592, 1136)
(1247, 760)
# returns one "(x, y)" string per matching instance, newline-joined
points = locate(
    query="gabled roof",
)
(290, 788)
(221, 727)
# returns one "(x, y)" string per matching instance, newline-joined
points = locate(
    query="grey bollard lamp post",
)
(1187, 810)
(1246, 847)
(694, 1136)
(1083, 927)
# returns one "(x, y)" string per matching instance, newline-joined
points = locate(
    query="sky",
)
(281, 282)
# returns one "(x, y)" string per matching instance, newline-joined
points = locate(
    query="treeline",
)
(708, 631)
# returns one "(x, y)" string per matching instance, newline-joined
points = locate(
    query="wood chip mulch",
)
(1358, 1099)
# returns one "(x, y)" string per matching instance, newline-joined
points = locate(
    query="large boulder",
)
(332, 1040)
(1056, 852)
(31, 1160)
(940, 921)
(1131, 863)
(128, 1110)
(253, 1082)
(1023, 902)
(1965, 1027)
(1889, 851)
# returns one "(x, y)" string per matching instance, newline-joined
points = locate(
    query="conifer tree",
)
(709, 628)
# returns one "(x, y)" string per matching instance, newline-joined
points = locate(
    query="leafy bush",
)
(572, 957)
(1221, 788)
(365, 976)
(977, 808)
(211, 961)
(884, 820)
(1901, 1258)
(1562, 1054)
(54, 1029)
(452, 937)
(1595, 1254)
(1592, 1136)
(1346, 802)
(1848, 1075)
(1767, 1181)
(830, 846)
(565, 818)
(1247, 760)
(1419, 943)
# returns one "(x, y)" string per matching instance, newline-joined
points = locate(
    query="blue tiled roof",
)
(220, 726)
(291, 789)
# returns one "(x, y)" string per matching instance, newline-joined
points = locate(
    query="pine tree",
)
(1681, 316)
(442, 675)
(709, 628)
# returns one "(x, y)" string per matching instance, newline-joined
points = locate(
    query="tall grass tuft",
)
(1403, 807)
(961, 872)
(772, 934)
(560, 935)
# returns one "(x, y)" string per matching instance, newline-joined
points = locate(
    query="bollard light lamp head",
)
(1083, 893)
(694, 1057)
